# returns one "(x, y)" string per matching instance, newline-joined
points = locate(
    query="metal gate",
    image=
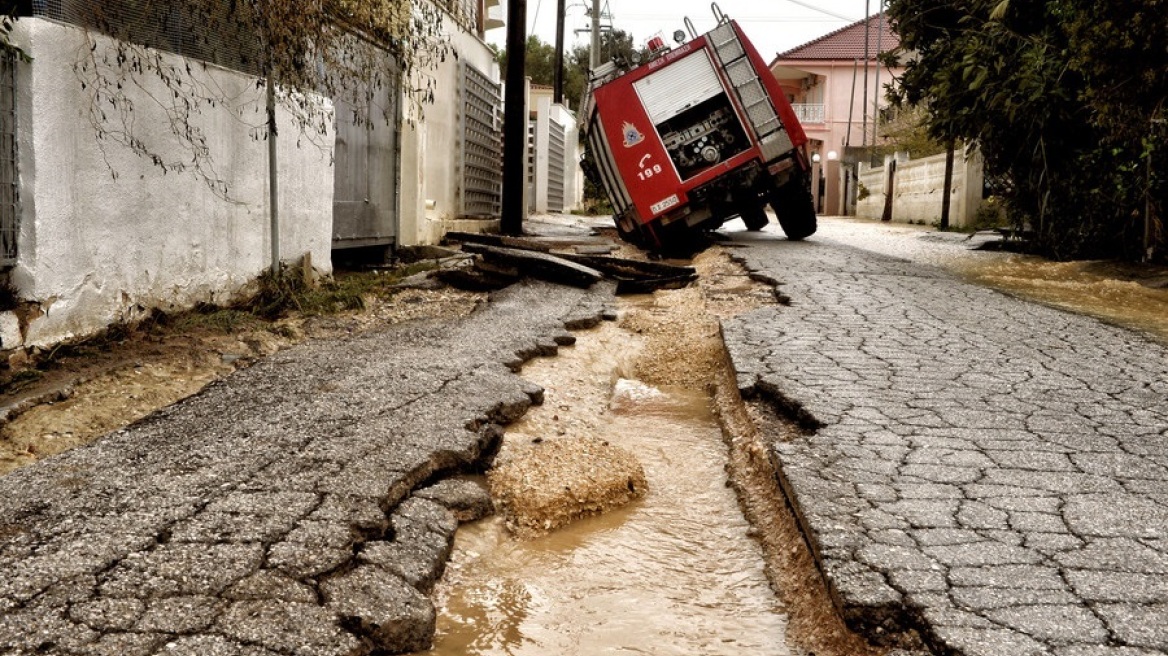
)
(481, 191)
(531, 156)
(9, 174)
(366, 172)
(557, 154)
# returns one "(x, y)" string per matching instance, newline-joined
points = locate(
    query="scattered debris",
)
(501, 261)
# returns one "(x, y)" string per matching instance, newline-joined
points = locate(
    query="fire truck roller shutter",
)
(681, 85)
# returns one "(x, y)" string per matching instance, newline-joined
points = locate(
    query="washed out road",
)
(987, 472)
(297, 507)
(982, 472)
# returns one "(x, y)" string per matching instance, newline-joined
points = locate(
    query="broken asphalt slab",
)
(290, 508)
(987, 473)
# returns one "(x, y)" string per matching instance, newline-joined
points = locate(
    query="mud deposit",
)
(673, 573)
(681, 571)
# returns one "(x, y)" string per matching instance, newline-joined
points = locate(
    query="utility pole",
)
(864, 102)
(515, 120)
(876, 87)
(594, 59)
(558, 83)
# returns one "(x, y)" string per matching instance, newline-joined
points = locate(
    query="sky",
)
(772, 25)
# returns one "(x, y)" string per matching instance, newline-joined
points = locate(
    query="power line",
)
(801, 3)
(812, 7)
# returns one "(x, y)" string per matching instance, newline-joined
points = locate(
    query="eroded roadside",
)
(93, 394)
(662, 361)
(726, 290)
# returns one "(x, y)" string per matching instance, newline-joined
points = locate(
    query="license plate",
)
(661, 206)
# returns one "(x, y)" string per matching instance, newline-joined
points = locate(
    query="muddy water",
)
(1100, 289)
(672, 573)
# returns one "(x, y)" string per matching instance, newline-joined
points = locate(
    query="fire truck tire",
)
(795, 209)
(754, 217)
(629, 234)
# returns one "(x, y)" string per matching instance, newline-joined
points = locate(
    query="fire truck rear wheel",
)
(754, 216)
(795, 209)
(628, 232)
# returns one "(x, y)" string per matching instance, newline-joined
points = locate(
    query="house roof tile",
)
(847, 42)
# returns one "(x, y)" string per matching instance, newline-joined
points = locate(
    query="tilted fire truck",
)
(694, 136)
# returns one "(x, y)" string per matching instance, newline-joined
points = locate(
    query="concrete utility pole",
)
(594, 59)
(864, 102)
(876, 87)
(515, 120)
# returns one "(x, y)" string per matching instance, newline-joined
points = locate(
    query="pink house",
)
(825, 81)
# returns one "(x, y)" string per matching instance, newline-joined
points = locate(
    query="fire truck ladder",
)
(760, 110)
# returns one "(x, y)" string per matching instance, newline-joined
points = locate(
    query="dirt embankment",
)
(100, 388)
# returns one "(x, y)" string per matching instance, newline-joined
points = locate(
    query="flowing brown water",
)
(1105, 290)
(673, 573)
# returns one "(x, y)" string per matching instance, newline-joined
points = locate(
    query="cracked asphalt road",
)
(302, 506)
(988, 472)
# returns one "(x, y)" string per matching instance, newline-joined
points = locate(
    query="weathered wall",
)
(96, 247)
(918, 189)
(431, 142)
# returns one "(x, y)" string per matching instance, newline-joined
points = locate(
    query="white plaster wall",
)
(96, 248)
(573, 191)
(543, 116)
(918, 190)
(431, 145)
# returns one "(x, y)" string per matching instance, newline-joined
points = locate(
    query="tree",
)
(540, 61)
(1029, 84)
(313, 50)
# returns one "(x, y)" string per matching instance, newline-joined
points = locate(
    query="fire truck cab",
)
(698, 134)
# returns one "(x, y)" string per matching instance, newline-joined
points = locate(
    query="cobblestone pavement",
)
(297, 507)
(989, 472)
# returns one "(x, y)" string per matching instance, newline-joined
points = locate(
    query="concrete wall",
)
(95, 248)
(918, 189)
(545, 112)
(431, 142)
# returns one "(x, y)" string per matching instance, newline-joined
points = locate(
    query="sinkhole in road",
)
(675, 572)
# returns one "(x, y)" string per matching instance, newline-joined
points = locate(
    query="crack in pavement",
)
(273, 513)
(984, 468)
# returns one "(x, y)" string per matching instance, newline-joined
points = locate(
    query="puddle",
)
(672, 573)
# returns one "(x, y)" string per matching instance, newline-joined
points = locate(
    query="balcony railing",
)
(809, 113)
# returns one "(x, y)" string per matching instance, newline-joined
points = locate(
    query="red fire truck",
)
(694, 136)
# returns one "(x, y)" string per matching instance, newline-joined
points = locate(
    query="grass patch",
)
(287, 292)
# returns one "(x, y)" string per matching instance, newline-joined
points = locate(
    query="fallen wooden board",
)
(649, 285)
(538, 265)
(631, 269)
(500, 241)
(473, 280)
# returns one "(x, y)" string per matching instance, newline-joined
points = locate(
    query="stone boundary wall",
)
(105, 234)
(918, 189)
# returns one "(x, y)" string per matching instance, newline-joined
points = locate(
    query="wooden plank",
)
(500, 241)
(538, 265)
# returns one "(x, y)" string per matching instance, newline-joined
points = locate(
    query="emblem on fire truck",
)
(633, 136)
